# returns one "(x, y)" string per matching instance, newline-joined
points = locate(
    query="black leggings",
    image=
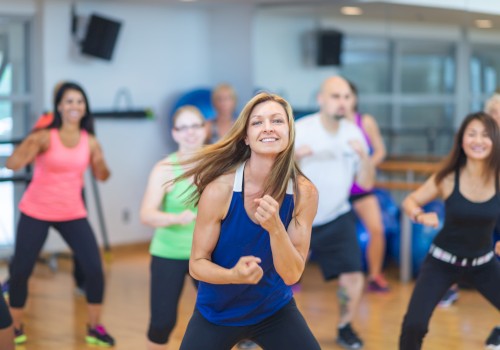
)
(286, 329)
(167, 282)
(31, 235)
(434, 279)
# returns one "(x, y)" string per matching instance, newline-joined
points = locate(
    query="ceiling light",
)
(351, 11)
(484, 23)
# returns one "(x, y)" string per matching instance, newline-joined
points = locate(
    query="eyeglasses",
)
(185, 128)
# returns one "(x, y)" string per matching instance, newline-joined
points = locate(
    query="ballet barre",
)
(410, 168)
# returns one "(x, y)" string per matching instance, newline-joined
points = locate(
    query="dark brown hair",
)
(456, 158)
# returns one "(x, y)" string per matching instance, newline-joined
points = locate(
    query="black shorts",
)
(335, 246)
(354, 197)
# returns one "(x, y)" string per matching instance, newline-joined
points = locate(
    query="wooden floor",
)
(56, 315)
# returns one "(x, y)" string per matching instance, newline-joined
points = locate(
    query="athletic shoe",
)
(19, 336)
(99, 336)
(348, 339)
(378, 285)
(246, 344)
(493, 341)
(450, 297)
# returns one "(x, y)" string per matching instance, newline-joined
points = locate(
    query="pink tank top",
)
(55, 192)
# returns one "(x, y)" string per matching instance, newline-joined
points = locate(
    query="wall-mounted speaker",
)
(101, 37)
(329, 48)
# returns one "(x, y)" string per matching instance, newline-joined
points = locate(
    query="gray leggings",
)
(31, 235)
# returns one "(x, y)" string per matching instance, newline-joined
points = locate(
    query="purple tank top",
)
(355, 189)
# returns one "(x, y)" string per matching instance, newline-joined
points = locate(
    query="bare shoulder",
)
(369, 121)
(307, 189)
(221, 188)
(164, 164)
(447, 184)
(163, 169)
(216, 197)
(93, 143)
(42, 134)
(40, 137)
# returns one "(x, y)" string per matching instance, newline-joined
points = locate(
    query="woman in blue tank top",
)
(252, 234)
(468, 183)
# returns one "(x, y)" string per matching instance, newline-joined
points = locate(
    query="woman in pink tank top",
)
(61, 153)
(365, 203)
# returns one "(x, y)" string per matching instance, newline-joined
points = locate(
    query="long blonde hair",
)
(228, 153)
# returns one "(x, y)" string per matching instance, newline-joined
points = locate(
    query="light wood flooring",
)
(55, 315)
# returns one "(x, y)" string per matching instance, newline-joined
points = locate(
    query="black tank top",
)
(468, 226)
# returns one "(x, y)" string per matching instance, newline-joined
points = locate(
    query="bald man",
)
(332, 153)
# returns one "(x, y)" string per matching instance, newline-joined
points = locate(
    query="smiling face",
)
(268, 129)
(72, 107)
(189, 130)
(476, 142)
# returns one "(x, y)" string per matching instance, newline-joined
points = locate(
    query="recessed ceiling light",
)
(351, 11)
(484, 23)
(188, 0)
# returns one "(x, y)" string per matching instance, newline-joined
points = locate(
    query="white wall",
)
(18, 7)
(279, 60)
(230, 54)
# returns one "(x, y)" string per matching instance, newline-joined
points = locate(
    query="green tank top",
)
(174, 242)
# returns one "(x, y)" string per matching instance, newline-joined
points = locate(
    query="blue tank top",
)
(245, 304)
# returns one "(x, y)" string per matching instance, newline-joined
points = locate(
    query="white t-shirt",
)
(333, 164)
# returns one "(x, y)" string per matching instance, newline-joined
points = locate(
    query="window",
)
(15, 104)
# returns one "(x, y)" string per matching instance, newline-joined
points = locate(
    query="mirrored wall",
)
(419, 70)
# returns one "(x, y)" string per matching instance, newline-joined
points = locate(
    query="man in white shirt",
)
(332, 153)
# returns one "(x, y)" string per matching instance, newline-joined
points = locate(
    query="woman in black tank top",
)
(468, 182)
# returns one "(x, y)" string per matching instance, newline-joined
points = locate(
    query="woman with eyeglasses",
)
(468, 182)
(164, 208)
